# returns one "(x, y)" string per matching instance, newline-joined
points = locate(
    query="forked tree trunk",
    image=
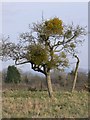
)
(75, 74)
(49, 84)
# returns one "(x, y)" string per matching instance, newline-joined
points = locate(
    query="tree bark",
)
(49, 84)
(76, 73)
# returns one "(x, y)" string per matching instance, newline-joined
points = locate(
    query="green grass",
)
(27, 104)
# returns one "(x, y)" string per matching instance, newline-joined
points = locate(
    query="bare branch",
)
(19, 63)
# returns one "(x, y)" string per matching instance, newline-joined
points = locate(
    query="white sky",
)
(17, 16)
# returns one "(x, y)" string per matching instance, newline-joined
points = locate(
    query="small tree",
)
(46, 47)
(75, 72)
(13, 75)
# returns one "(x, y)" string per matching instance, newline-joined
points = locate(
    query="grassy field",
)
(37, 104)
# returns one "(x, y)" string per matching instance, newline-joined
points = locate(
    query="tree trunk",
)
(75, 74)
(49, 85)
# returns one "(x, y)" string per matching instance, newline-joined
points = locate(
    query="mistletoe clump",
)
(37, 54)
(54, 26)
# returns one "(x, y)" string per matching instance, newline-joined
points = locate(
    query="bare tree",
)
(75, 72)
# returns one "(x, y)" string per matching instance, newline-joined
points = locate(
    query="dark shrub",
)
(13, 75)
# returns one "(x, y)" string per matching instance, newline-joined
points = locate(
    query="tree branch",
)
(37, 68)
(57, 44)
(21, 62)
(69, 40)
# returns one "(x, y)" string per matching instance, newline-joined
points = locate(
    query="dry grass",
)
(27, 104)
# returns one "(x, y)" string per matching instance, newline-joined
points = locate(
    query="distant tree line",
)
(60, 80)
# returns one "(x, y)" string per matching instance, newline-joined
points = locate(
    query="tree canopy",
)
(46, 45)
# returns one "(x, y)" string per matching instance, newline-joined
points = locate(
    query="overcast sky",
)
(16, 18)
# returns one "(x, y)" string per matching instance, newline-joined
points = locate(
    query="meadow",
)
(36, 104)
